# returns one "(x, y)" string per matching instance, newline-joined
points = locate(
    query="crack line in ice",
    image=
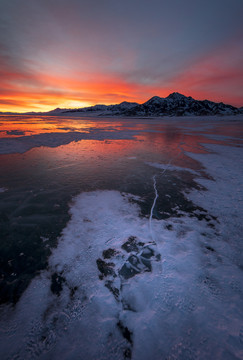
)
(152, 208)
(155, 188)
(155, 199)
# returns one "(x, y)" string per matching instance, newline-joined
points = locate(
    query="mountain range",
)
(173, 105)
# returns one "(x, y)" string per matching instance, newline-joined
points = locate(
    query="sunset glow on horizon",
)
(71, 54)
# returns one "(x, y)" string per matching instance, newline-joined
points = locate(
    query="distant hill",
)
(173, 105)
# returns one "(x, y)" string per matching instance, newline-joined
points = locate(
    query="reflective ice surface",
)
(120, 238)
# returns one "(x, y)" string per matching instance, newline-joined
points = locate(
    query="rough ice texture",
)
(111, 292)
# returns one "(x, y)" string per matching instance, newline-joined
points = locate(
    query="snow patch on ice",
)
(105, 297)
(225, 193)
(84, 304)
(24, 143)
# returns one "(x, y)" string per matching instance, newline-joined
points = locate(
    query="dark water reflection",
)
(41, 182)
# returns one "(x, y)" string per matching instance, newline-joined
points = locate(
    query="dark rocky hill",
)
(173, 105)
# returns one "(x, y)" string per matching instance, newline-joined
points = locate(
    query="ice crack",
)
(152, 208)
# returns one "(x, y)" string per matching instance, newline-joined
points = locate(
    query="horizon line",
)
(84, 107)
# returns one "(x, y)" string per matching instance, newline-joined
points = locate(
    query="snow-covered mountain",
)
(180, 105)
(117, 109)
(173, 105)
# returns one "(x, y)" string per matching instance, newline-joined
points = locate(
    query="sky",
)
(75, 53)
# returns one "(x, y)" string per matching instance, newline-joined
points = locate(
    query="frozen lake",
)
(121, 238)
